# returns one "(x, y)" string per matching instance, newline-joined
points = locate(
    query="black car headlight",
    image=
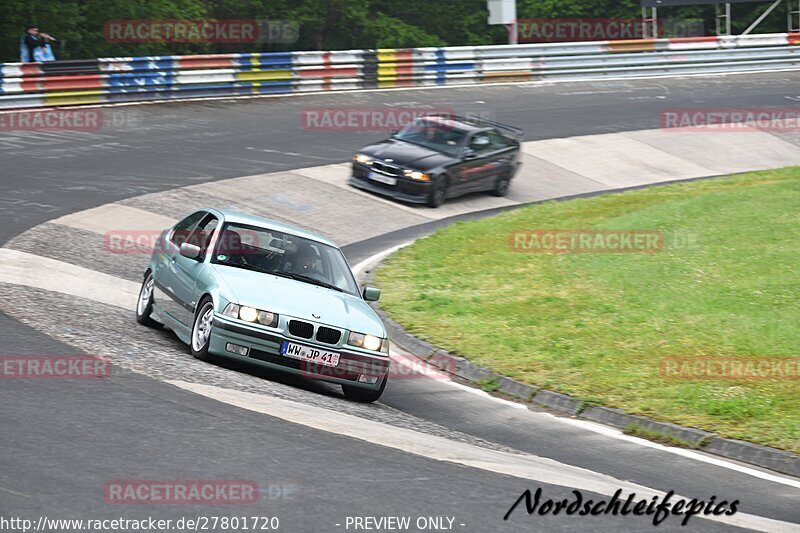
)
(364, 159)
(368, 342)
(416, 175)
(250, 314)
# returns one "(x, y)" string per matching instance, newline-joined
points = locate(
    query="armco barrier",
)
(140, 79)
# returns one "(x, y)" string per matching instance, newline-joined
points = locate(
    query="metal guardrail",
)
(142, 79)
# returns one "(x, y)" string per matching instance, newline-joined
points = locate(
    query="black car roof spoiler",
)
(517, 133)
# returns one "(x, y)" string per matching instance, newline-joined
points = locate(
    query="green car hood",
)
(299, 299)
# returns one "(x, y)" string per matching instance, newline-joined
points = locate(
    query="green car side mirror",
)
(372, 294)
(190, 250)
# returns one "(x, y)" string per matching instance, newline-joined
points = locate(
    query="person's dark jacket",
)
(31, 42)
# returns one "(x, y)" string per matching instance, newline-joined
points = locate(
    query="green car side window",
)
(183, 229)
(202, 233)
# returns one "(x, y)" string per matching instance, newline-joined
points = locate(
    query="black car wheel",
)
(144, 305)
(438, 192)
(501, 185)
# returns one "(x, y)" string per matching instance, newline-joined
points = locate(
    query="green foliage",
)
(638, 430)
(324, 24)
(489, 385)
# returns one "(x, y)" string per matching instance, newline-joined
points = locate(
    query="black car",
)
(434, 158)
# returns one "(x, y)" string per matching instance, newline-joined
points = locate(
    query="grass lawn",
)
(598, 325)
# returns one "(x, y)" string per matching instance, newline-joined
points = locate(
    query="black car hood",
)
(407, 155)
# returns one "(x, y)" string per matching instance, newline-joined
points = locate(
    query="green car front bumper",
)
(264, 349)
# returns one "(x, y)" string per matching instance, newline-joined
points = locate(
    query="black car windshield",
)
(436, 133)
(284, 254)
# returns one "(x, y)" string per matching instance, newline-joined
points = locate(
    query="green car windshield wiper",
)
(307, 279)
(245, 266)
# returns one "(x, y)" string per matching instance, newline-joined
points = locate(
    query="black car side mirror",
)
(469, 153)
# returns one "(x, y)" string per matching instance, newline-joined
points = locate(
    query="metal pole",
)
(655, 22)
(764, 15)
(728, 19)
(512, 33)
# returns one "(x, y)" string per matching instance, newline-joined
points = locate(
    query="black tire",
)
(439, 191)
(144, 304)
(501, 185)
(199, 348)
(357, 394)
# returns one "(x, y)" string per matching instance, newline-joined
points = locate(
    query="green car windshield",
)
(283, 254)
(434, 133)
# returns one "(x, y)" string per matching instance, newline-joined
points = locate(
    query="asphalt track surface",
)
(64, 440)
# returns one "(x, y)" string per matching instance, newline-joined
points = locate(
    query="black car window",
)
(183, 229)
(498, 140)
(480, 143)
(437, 134)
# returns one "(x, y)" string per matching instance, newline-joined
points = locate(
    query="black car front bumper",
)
(405, 189)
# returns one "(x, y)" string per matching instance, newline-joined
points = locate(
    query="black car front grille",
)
(391, 170)
(328, 335)
(301, 329)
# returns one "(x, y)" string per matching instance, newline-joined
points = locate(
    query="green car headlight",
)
(250, 314)
(231, 310)
(268, 319)
(368, 342)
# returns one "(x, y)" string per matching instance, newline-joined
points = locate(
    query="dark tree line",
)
(323, 24)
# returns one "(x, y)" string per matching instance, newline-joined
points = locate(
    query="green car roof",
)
(238, 217)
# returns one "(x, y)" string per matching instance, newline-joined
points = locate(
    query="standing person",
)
(35, 46)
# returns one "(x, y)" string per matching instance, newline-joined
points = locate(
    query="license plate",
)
(388, 180)
(307, 353)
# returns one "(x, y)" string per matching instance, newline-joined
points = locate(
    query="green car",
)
(240, 286)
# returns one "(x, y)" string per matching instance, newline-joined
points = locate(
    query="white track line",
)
(524, 466)
(374, 259)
